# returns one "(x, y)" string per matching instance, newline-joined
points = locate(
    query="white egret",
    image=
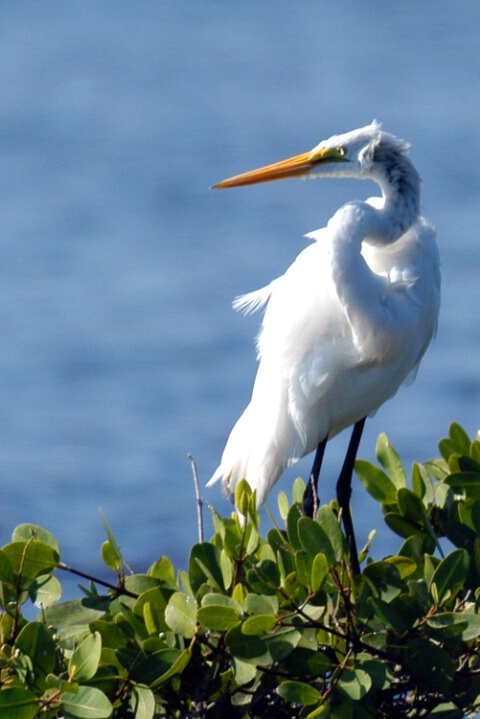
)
(347, 323)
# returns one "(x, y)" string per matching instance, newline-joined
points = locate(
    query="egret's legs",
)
(310, 497)
(344, 489)
(344, 492)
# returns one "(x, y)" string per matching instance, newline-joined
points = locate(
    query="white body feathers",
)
(344, 327)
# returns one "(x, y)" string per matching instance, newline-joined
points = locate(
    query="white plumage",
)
(350, 319)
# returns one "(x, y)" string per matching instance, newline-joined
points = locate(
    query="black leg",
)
(311, 493)
(344, 492)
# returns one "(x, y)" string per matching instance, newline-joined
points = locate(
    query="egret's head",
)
(361, 153)
(367, 152)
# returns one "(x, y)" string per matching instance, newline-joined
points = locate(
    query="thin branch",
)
(198, 497)
(315, 495)
(18, 605)
(108, 585)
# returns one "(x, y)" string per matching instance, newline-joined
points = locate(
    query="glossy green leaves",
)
(264, 626)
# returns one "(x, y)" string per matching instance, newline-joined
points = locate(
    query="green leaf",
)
(307, 662)
(6, 570)
(142, 702)
(157, 599)
(461, 481)
(222, 600)
(314, 539)
(379, 672)
(295, 692)
(303, 565)
(77, 611)
(450, 575)
(218, 618)
(460, 438)
(294, 514)
(259, 624)
(387, 613)
(356, 683)
(205, 566)
(467, 464)
(24, 532)
(114, 549)
(330, 524)
(404, 527)
(163, 569)
(32, 558)
(390, 461)
(430, 664)
(226, 564)
(264, 577)
(45, 591)
(261, 604)
(298, 491)
(376, 640)
(112, 634)
(252, 542)
(475, 450)
(469, 515)
(410, 506)
(244, 673)
(376, 482)
(110, 556)
(243, 492)
(414, 548)
(151, 619)
(139, 583)
(180, 614)
(422, 484)
(319, 572)
(36, 642)
(384, 580)
(18, 703)
(157, 668)
(448, 447)
(107, 676)
(184, 583)
(73, 634)
(405, 566)
(85, 659)
(457, 626)
(419, 592)
(283, 505)
(413, 510)
(262, 650)
(87, 703)
(180, 663)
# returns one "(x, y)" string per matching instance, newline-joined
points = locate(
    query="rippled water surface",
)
(119, 350)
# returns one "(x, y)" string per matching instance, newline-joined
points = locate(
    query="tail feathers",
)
(250, 455)
(216, 476)
(261, 445)
(234, 467)
(224, 476)
(230, 475)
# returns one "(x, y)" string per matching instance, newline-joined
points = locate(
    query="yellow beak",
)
(293, 167)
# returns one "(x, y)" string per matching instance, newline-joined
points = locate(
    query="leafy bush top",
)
(263, 627)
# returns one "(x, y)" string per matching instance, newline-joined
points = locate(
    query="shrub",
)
(263, 627)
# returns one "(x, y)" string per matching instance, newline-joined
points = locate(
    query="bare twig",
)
(315, 495)
(96, 580)
(198, 498)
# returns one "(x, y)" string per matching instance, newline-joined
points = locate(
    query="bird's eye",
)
(341, 151)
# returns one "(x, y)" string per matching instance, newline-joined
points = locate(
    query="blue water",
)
(119, 350)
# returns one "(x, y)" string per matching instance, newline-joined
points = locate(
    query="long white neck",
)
(358, 222)
(357, 286)
(400, 185)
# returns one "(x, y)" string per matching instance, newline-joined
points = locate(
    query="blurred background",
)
(119, 350)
